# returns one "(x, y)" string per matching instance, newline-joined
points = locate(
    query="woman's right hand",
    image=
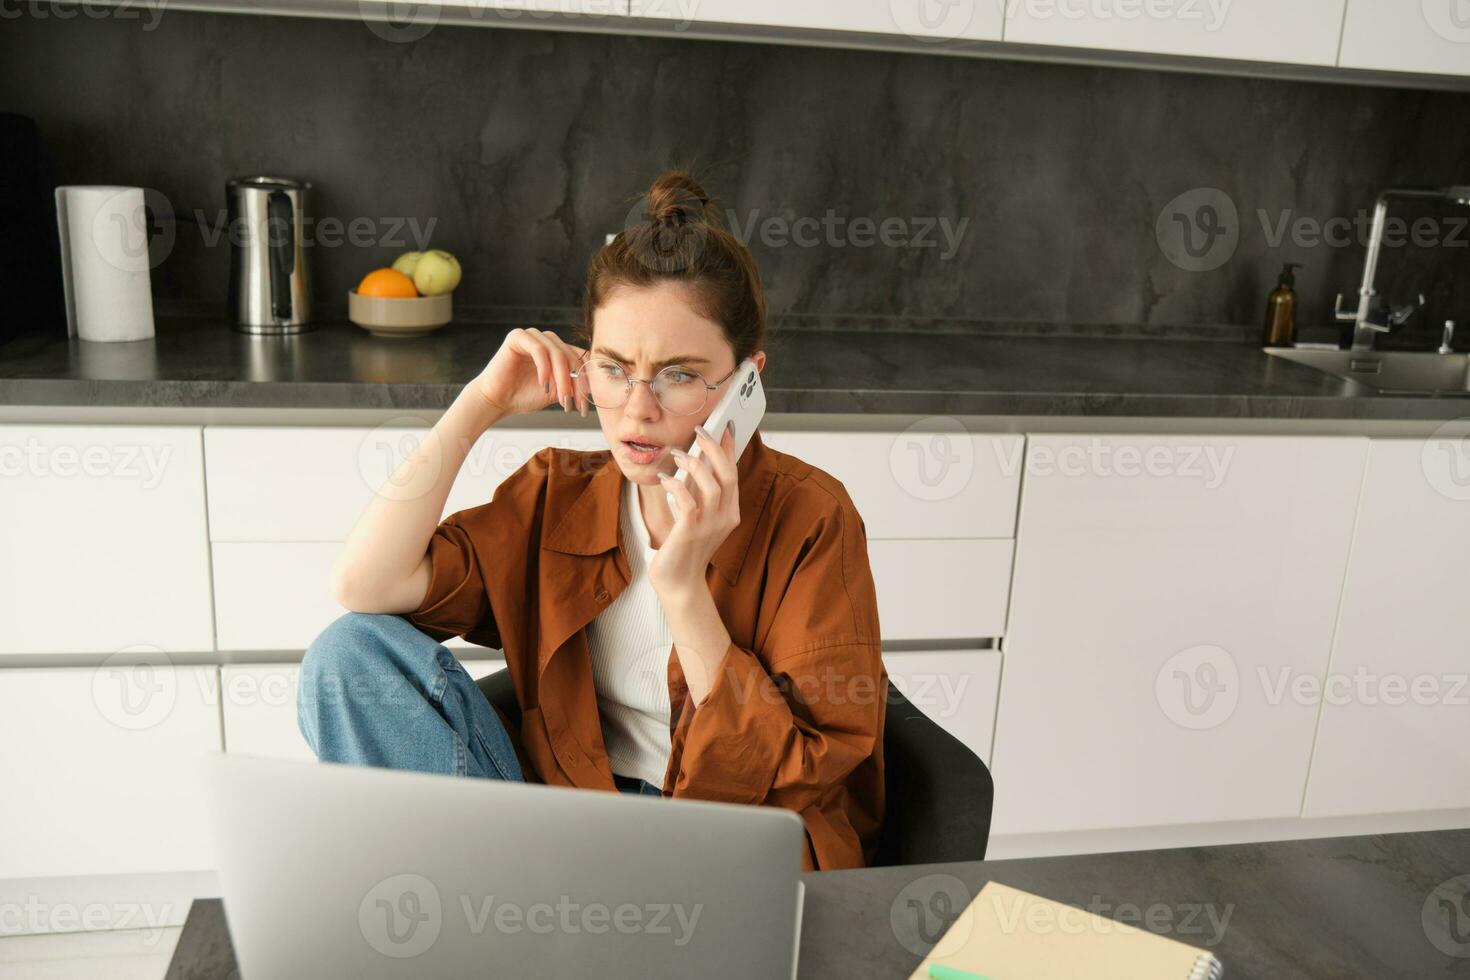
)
(531, 370)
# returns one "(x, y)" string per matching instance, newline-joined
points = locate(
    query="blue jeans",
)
(376, 691)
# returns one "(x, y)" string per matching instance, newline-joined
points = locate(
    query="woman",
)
(725, 649)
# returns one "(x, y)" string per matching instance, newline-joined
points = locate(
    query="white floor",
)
(123, 954)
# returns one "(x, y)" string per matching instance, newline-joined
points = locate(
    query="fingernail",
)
(584, 410)
(702, 431)
(730, 427)
(546, 386)
(679, 453)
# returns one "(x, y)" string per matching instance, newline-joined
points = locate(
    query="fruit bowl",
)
(385, 316)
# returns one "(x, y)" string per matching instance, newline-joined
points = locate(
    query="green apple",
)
(436, 273)
(406, 263)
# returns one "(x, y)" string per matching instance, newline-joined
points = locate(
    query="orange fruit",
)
(386, 282)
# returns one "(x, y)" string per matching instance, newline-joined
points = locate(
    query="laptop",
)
(337, 870)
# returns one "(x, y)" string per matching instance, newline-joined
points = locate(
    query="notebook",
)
(1007, 934)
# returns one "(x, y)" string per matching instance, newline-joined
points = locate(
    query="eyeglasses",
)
(679, 390)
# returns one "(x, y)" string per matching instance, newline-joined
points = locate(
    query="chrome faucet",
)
(1374, 314)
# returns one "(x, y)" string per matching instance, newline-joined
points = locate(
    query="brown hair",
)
(676, 234)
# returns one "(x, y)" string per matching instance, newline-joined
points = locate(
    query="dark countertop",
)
(201, 362)
(1384, 905)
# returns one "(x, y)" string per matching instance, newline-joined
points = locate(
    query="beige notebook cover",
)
(1008, 934)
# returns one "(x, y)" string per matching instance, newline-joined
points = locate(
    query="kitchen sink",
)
(1390, 372)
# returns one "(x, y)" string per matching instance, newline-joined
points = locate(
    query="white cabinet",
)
(289, 483)
(956, 689)
(938, 589)
(259, 703)
(1302, 32)
(939, 19)
(1164, 586)
(1407, 35)
(104, 538)
(98, 766)
(939, 509)
(1395, 728)
(914, 484)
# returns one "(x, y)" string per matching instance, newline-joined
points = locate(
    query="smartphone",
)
(745, 402)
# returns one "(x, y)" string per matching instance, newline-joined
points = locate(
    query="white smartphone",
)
(745, 402)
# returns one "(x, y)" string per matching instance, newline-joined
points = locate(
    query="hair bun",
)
(676, 199)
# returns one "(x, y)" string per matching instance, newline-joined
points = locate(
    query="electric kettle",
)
(270, 291)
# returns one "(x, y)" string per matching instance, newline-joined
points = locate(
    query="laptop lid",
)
(337, 870)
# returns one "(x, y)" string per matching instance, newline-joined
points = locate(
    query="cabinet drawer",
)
(956, 689)
(105, 541)
(260, 707)
(929, 590)
(99, 767)
(281, 483)
(919, 484)
(277, 595)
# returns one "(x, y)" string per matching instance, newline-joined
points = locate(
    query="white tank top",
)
(630, 643)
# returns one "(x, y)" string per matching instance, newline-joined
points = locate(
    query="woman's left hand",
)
(706, 509)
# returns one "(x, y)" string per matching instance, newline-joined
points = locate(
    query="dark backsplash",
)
(1016, 196)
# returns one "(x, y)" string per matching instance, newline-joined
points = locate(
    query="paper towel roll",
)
(104, 262)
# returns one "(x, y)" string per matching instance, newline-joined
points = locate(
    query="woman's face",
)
(645, 329)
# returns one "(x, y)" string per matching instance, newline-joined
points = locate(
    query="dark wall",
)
(524, 147)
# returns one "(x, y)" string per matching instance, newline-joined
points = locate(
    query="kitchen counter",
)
(200, 364)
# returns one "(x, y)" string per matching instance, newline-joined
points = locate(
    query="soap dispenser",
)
(1281, 309)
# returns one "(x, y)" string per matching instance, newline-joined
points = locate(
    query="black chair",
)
(939, 793)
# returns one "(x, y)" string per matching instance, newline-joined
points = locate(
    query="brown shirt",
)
(794, 716)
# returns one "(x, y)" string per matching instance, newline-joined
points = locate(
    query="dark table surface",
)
(1380, 906)
(200, 362)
